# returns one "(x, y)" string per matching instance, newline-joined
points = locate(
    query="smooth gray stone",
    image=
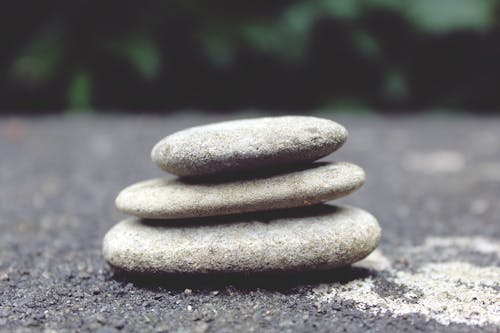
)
(247, 144)
(316, 237)
(176, 198)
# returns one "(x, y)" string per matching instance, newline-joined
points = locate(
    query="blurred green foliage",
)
(79, 91)
(374, 54)
(142, 53)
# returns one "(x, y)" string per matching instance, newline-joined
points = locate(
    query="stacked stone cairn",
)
(248, 197)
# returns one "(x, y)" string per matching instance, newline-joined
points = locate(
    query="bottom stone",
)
(316, 237)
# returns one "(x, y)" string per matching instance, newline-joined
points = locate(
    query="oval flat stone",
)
(316, 237)
(247, 144)
(176, 198)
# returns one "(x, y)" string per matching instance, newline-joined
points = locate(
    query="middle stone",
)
(164, 198)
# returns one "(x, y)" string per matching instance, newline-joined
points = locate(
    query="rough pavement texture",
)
(433, 185)
(175, 198)
(238, 145)
(321, 237)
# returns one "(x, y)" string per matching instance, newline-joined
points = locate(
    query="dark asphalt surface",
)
(59, 176)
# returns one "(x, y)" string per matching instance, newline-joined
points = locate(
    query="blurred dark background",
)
(222, 55)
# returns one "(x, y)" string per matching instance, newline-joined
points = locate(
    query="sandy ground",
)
(434, 185)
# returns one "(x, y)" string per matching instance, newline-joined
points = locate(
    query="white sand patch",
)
(448, 292)
(376, 260)
(479, 207)
(464, 273)
(439, 161)
(476, 244)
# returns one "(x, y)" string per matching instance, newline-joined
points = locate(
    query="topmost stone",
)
(238, 145)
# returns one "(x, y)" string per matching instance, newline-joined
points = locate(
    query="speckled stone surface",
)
(177, 198)
(316, 237)
(246, 144)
